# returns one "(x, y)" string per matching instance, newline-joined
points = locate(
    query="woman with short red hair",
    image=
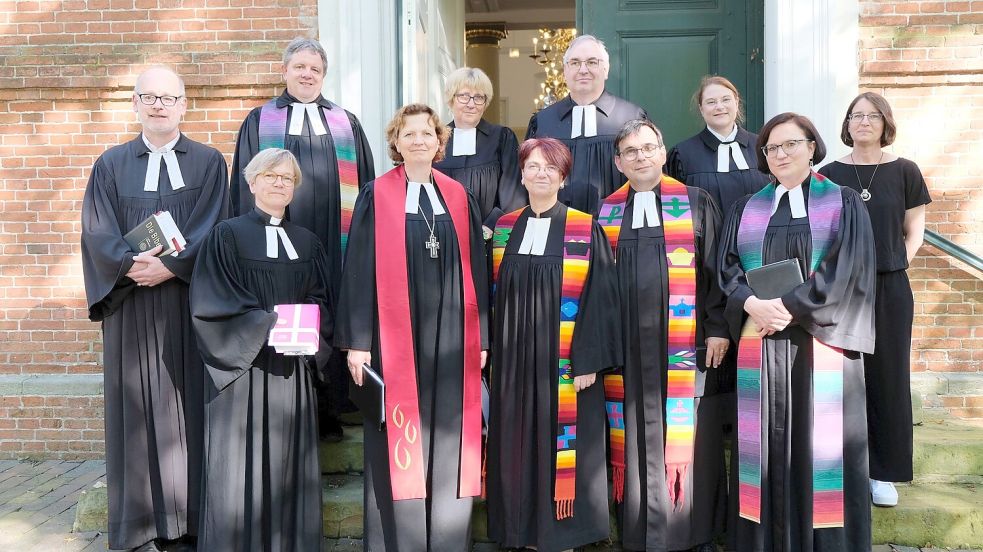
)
(554, 331)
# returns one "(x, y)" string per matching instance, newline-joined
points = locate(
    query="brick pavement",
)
(37, 509)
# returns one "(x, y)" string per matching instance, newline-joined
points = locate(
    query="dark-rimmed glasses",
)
(463, 98)
(166, 101)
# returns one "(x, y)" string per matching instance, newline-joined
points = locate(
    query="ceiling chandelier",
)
(547, 51)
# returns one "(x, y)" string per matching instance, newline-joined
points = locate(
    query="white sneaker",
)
(883, 493)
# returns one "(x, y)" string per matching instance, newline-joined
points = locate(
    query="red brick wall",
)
(926, 58)
(67, 70)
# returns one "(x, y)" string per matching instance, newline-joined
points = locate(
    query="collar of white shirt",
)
(796, 201)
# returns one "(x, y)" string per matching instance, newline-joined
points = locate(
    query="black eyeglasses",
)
(788, 146)
(463, 99)
(166, 101)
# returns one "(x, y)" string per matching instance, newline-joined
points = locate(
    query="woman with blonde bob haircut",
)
(481, 155)
(413, 307)
(262, 481)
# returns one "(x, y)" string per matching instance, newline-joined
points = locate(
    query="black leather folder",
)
(370, 397)
(771, 281)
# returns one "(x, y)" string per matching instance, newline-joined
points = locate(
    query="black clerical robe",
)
(838, 304)
(442, 520)
(522, 427)
(694, 163)
(491, 174)
(646, 516)
(153, 372)
(316, 201)
(262, 485)
(594, 174)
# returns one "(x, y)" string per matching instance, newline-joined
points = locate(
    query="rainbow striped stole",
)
(273, 129)
(825, 206)
(677, 222)
(576, 264)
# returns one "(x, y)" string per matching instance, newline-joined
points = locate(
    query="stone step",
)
(942, 515)
(948, 451)
(344, 456)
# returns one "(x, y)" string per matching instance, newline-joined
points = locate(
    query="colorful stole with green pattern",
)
(273, 129)
(576, 263)
(825, 205)
(677, 222)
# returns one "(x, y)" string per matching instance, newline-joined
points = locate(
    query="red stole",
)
(406, 467)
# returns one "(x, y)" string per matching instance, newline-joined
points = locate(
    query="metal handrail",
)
(955, 250)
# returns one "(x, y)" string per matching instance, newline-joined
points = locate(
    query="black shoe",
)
(147, 547)
(331, 430)
(706, 547)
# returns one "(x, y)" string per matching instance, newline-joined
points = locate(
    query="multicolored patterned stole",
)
(273, 129)
(677, 222)
(825, 205)
(576, 264)
(404, 433)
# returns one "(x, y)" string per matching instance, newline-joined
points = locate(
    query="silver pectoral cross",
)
(433, 245)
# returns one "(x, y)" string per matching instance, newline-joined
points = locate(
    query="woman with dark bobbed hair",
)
(801, 439)
(895, 195)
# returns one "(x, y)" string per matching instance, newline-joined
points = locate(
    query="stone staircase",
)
(943, 507)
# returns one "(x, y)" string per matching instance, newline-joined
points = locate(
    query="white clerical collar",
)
(275, 234)
(534, 238)
(151, 181)
(464, 141)
(312, 110)
(728, 149)
(796, 201)
(644, 210)
(583, 116)
(412, 205)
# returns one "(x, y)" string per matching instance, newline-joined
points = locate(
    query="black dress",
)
(491, 174)
(262, 484)
(838, 306)
(153, 372)
(522, 426)
(594, 174)
(646, 517)
(898, 186)
(442, 521)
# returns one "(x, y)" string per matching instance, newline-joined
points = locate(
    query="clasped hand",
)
(148, 270)
(769, 315)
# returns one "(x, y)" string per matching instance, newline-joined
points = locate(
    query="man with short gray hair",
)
(154, 394)
(587, 121)
(335, 161)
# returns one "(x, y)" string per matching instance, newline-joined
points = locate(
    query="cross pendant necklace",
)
(432, 244)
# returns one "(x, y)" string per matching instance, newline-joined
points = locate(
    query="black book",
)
(771, 281)
(370, 397)
(158, 229)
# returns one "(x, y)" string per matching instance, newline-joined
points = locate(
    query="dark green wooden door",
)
(661, 48)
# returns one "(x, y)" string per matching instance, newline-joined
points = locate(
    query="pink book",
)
(297, 330)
